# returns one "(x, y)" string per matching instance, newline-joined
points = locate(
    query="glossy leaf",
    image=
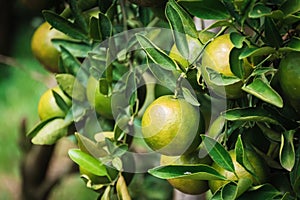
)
(88, 162)
(71, 86)
(218, 153)
(254, 51)
(265, 191)
(60, 102)
(272, 35)
(290, 7)
(165, 77)
(229, 191)
(64, 25)
(295, 173)
(105, 26)
(249, 114)
(70, 63)
(155, 54)
(241, 156)
(243, 185)
(189, 97)
(180, 20)
(287, 151)
(122, 189)
(77, 14)
(76, 48)
(51, 132)
(184, 30)
(88, 146)
(206, 9)
(195, 172)
(261, 71)
(219, 79)
(216, 127)
(94, 29)
(260, 10)
(269, 133)
(293, 45)
(263, 90)
(237, 39)
(36, 128)
(233, 190)
(236, 65)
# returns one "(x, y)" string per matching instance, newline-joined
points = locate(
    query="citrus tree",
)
(141, 80)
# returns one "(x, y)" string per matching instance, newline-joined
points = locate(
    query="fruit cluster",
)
(220, 105)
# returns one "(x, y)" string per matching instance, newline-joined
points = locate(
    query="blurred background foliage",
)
(22, 81)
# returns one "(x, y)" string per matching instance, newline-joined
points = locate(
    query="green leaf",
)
(206, 9)
(70, 63)
(272, 35)
(287, 151)
(265, 191)
(263, 90)
(180, 20)
(51, 132)
(256, 51)
(122, 189)
(295, 173)
(155, 54)
(189, 97)
(290, 7)
(94, 29)
(218, 153)
(32, 132)
(64, 25)
(77, 14)
(293, 45)
(60, 102)
(88, 162)
(76, 48)
(243, 185)
(236, 65)
(229, 191)
(216, 127)
(184, 30)
(105, 26)
(195, 172)
(165, 77)
(269, 133)
(249, 114)
(88, 146)
(241, 156)
(237, 39)
(217, 196)
(219, 79)
(261, 71)
(260, 10)
(71, 86)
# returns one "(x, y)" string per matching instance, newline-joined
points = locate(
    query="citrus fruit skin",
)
(43, 49)
(260, 170)
(47, 106)
(289, 78)
(187, 186)
(216, 57)
(170, 126)
(100, 102)
(195, 46)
